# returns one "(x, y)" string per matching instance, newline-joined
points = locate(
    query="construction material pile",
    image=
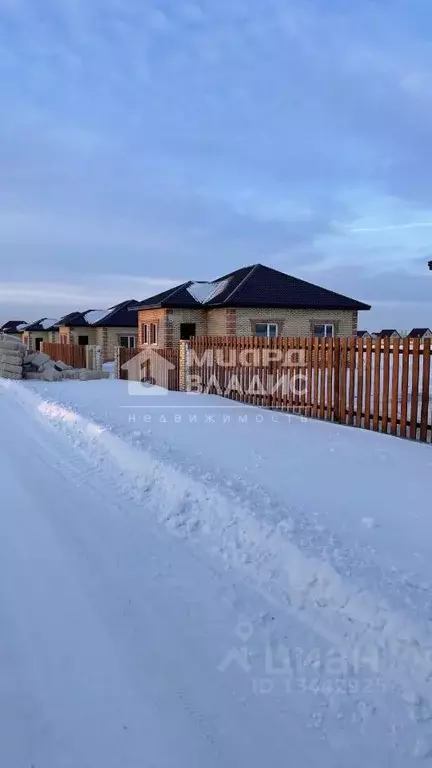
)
(16, 362)
(40, 367)
(11, 357)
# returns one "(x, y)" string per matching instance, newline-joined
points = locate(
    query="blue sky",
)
(143, 142)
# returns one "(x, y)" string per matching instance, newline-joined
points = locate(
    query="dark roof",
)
(430, 264)
(121, 315)
(12, 326)
(75, 319)
(419, 332)
(253, 286)
(38, 325)
(388, 332)
(363, 333)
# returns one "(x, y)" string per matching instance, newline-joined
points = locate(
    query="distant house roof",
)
(121, 315)
(44, 324)
(389, 332)
(13, 326)
(253, 286)
(419, 332)
(430, 264)
(362, 334)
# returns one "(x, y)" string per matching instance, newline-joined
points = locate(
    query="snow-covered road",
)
(155, 613)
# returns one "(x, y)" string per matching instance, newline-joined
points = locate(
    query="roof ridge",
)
(177, 289)
(242, 282)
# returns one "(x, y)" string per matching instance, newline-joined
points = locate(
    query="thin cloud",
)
(391, 227)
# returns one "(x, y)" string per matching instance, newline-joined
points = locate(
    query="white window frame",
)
(268, 325)
(153, 327)
(145, 331)
(130, 338)
(326, 334)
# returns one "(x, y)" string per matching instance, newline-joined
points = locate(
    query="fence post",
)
(337, 393)
(117, 363)
(184, 366)
(93, 358)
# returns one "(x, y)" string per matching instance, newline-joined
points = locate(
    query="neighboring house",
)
(34, 334)
(421, 333)
(15, 327)
(430, 264)
(108, 328)
(389, 333)
(364, 335)
(252, 301)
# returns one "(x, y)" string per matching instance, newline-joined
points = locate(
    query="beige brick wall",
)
(216, 322)
(178, 316)
(241, 322)
(158, 316)
(29, 338)
(76, 332)
(296, 322)
(169, 322)
(109, 339)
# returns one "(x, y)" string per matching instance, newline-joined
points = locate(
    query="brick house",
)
(389, 333)
(420, 333)
(13, 327)
(252, 301)
(107, 328)
(34, 334)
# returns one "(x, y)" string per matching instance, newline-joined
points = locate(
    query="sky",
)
(147, 142)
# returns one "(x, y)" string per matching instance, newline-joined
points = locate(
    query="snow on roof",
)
(21, 326)
(48, 322)
(204, 292)
(96, 315)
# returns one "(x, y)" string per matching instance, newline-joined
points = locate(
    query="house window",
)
(266, 330)
(145, 333)
(187, 331)
(129, 342)
(323, 330)
(83, 341)
(38, 343)
(153, 333)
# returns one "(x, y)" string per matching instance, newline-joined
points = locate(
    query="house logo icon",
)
(148, 373)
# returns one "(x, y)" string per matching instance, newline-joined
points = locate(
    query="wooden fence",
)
(380, 385)
(158, 366)
(70, 354)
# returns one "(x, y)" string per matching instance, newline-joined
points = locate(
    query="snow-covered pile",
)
(11, 357)
(41, 367)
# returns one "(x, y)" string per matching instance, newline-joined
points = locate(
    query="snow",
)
(188, 581)
(204, 292)
(96, 315)
(109, 367)
(48, 322)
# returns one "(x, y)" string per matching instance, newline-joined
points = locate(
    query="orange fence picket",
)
(70, 354)
(375, 384)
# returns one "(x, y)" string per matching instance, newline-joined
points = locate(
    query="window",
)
(83, 341)
(149, 333)
(153, 333)
(129, 342)
(323, 330)
(187, 331)
(266, 330)
(38, 342)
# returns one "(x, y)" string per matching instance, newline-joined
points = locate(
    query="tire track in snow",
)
(351, 619)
